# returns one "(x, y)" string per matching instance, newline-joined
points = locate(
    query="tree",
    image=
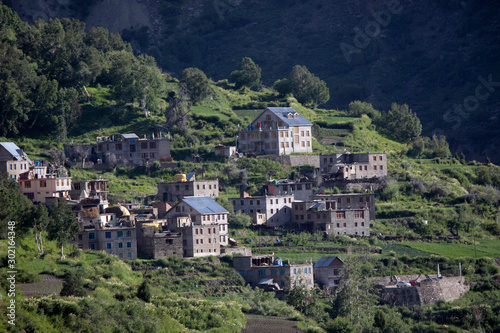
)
(144, 292)
(73, 285)
(283, 87)
(402, 123)
(307, 88)
(40, 220)
(13, 207)
(63, 225)
(196, 83)
(248, 76)
(178, 111)
(239, 220)
(358, 108)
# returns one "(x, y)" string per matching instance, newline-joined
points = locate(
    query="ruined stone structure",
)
(351, 201)
(354, 166)
(187, 186)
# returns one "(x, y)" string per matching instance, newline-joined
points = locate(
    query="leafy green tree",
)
(307, 88)
(63, 225)
(144, 292)
(379, 320)
(283, 87)
(402, 123)
(358, 108)
(248, 76)
(73, 285)
(40, 218)
(196, 83)
(339, 325)
(239, 220)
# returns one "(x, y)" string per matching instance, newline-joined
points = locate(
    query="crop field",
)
(485, 248)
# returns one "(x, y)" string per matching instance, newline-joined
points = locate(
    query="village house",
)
(328, 272)
(354, 166)
(49, 186)
(155, 243)
(127, 147)
(228, 151)
(272, 210)
(324, 216)
(265, 270)
(115, 240)
(277, 131)
(300, 190)
(350, 201)
(187, 186)
(93, 189)
(13, 160)
(200, 212)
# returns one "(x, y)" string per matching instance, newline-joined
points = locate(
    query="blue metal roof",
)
(317, 205)
(326, 261)
(190, 175)
(282, 113)
(204, 205)
(15, 151)
(319, 190)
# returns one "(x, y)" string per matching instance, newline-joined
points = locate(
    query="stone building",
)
(39, 189)
(277, 131)
(259, 270)
(92, 189)
(155, 243)
(354, 166)
(351, 201)
(13, 160)
(277, 208)
(300, 190)
(187, 186)
(324, 216)
(199, 212)
(128, 147)
(221, 150)
(328, 272)
(119, 241)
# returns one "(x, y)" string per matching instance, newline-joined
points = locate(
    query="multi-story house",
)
(13, 160)
(354, 166)
(39, 189)
(328, 272)
(119, 241)
(93, 189)
(127, 147)
(200, 211)
(277, 208)
(187, 186)
(277, 131)
(351, 201)
(265, 269)
(325, 216)
(300, 190)
(155, 243)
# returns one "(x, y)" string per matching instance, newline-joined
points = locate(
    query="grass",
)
(485, 248)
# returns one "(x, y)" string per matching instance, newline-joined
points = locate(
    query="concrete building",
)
(328, 272)
(119, 241)
(187, 186)
(277, 208)
(324, 216)
(38, 190)
(92, 189)
(129, 147)
(350, 201)
(197, 212)
(221, 150)
(260, 270)
(354, 166)
(300, 190)
(13, 160)
(277, 131)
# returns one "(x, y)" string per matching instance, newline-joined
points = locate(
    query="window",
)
(374, 167)
(380, 158)
(152, 145)
(374, 158)
(108, 246)
(120, 234)
(118, 146)
(152, 155)
(348, 200)
(359, 214)
(27, 184)
(362, 224)
(197, 241)
(367, 199)
(120, 245)
(144, 145)
(43, 183)
(132, 148)
(360, 199)
(345, 225)
(339, 200)
(129, 254)
(129, 233)
(272, 211)
(91, 235)
(338, 225)
(340, 215)
(186, 187)
(92, 246)
(262, 272)
(273, 272)
(108, 234)
(301, 133)
(249, 273)
(129, 244)
(282, 272)
(381, 167)
(295, 271)
(366, 167)
(355, 224)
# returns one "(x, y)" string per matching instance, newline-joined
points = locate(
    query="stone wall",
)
(245, 251)
(360, 184)
(296, 160)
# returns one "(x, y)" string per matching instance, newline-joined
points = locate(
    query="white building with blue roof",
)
(277, 131)
(201, 211)
(13, 160)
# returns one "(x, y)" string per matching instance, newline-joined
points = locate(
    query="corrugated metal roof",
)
(15, 151)
(283, 113)
(326, 261)
(319, 190)
(130, 136)
(189, 176)
(204, 205)
(317, 205)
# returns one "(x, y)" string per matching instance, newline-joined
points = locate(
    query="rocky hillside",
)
(439, 57)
